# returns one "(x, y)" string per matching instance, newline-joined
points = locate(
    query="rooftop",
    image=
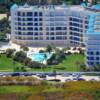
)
(38, 7)
(81, 8)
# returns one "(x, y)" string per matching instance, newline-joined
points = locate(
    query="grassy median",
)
(67, 91)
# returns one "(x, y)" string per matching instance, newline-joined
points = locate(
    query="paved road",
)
(47, 73)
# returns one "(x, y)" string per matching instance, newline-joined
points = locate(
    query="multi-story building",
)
(93, 37)
(59, 25)
(39, 25)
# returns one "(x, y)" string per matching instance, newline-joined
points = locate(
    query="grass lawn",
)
(68, 64)
(6, 64)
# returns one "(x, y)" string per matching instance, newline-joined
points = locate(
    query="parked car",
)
(81, 79)
(66, 74)
(76, 74)
(51, 74)
(41, 75)
(15, 74)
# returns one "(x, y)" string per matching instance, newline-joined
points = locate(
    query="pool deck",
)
(11, 45)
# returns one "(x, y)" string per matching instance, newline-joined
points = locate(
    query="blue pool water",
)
(40, 57)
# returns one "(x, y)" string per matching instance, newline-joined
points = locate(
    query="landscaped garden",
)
(60, 61)
(68, 91)
(70, 63)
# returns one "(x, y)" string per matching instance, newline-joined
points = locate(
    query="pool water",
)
(40, 57)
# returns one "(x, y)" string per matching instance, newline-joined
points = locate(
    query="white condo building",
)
(59, 25)
(39, 25)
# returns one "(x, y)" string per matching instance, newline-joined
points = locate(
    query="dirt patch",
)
(11, 96)
(67, 96)
(78, 96)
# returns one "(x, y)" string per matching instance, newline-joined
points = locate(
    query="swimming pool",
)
(40, 57)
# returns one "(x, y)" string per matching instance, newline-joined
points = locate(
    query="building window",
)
(52, 28)
(29, 19)
(29, 14)
(35, 14)
(64, 28)
(19, 28)
(58, 38)
(76, 20)
(98, 63)
(97, 53)
(30, 24)
(36, 38)
(40, 28)
(30, 33)
(58, 28)
(47, 33)
(24, 28)
(30, 28)
(52, 33)
(19, 14)
(40, 24)
(90, 63)
(41, 33)
(24, 24)
(40, 19)
(36, 29)
(52, 38)
(86, 22)
(36, 33)
(36, 24)
(19, 19)
(19, 23)
(97, 58)
(35, 19)
(91, 53)
(65, 38)
(23, 14)
(40, 13)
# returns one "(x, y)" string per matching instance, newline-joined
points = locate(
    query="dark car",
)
(81, 79)
(42, 76)
(51, 74)
(15, 74)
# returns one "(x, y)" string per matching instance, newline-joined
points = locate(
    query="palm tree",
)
(49, 48)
